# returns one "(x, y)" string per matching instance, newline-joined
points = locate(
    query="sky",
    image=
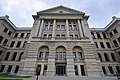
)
(100, 11)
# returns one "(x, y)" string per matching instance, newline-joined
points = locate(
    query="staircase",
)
(70, 78)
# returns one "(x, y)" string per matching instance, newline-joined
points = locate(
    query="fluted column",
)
(80, 28)
(67, 29)
(54, 28)
(41, 28)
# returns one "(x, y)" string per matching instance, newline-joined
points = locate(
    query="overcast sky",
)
(100, 11)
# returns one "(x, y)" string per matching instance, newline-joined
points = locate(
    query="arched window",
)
(20, 56)
(113, 57)
(77, 52)
(14, 56)
(60, 53)
(43, 53)
(106, 57)
(7, 55)
(100, 57)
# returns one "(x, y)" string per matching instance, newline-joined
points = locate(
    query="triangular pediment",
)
(60, 10)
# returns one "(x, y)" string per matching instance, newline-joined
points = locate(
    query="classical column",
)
(38, 28)
(79, 70)
(67, 29)
(80, 28)
(54, 28)
(41, 28)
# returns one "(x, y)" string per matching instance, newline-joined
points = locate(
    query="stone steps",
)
(71, 78)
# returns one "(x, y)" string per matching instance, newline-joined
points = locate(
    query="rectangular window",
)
(76, 36)
(16, 69)
(45, 36)
(7, 55)
(28, 34)
(22, 35)
(118, 69)
(41, 55)
(104, 70)
(74, 27)
(51, 27)
(98, 35)
(1, 38)
(102, 45)
(76, 70)
(115, 31)
(108, 44)
(82, 70)
(9, 69)
(58, 27)
(93, 36)
(18, 44)
(111, 34)
(63, 36)
(24, 43)
(71, 36)
(96, 44)
(58, 36)
(16, 35)
(46, 27)
(118, 39)
(5, 30)
(9, 33)
(12, 44)
(111, 69)
(2, 68)
(115, 43)
(62, 27)
(5, 42)
(104, 35)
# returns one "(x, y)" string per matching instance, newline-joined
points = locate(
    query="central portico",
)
(61, 45)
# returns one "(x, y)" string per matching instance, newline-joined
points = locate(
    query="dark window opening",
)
(113, 57)
(38, 70)
(14, 56)
(100, 57)
(98, 35)
(76, 70)
(111, 34)
(108, 44)
(115, 31)
(104, 70)
(2, 68)
(24, 43)
(111, 69)
(7, 56)
(118, 39)
(9, 69)
(9, 33)
(102, 45)
(106, 57)
(18, 44)
(28, 34)
(1, 38)
(1, 52)
(5, 42)
(96, 44)
(5, 30)
(93, 36)
(22, 35)
(82, 70)
(46, 55)
(115, 43)
(12, 43)
(20, 56)
(16, 35)
(45, 70)
(16, 69)
(118, 69)
(104, 35)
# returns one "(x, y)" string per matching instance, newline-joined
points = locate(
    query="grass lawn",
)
(12, 77)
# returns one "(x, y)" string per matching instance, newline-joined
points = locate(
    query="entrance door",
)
(60, 69)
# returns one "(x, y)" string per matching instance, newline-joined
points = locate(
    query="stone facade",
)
(60, 43)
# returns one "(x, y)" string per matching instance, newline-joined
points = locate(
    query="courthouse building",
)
(61, 44)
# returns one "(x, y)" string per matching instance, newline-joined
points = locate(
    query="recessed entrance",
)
(61, 69)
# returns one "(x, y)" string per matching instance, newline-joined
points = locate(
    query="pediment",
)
(60, 10)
